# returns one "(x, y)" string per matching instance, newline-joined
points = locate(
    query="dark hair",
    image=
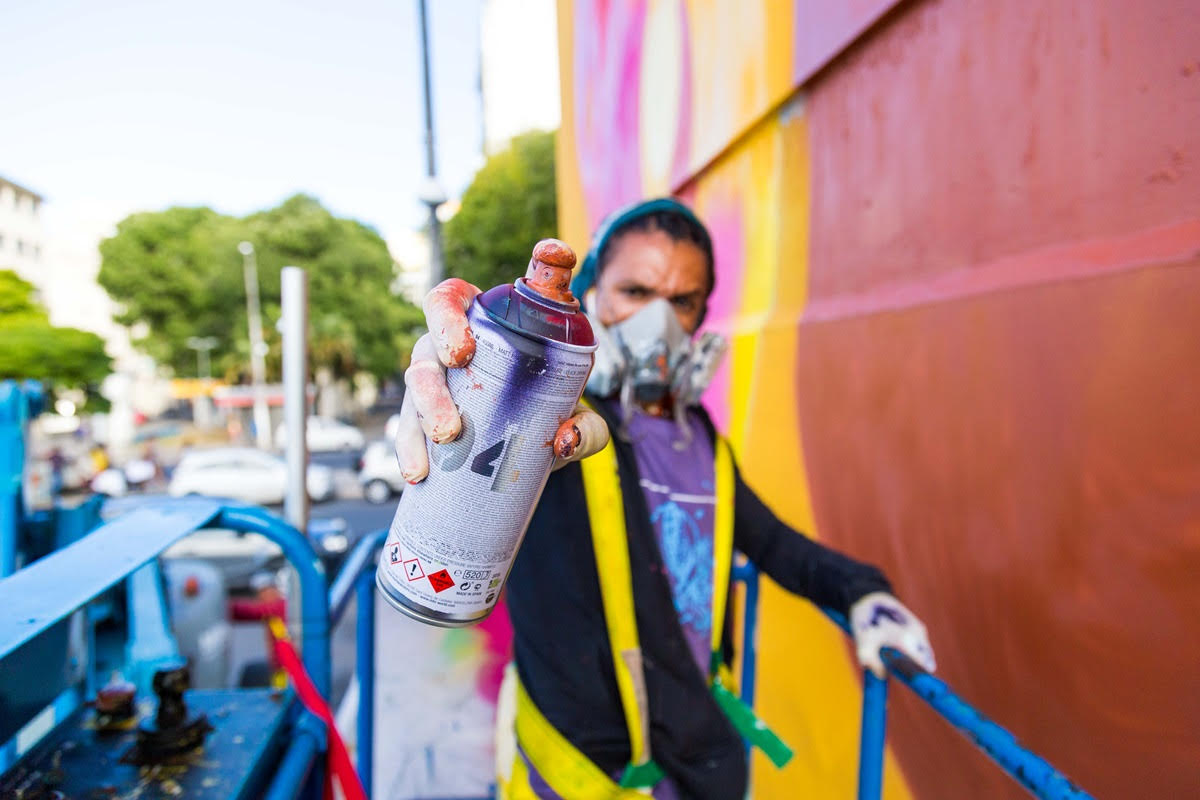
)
(678, 228)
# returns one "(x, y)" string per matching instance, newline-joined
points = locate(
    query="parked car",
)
(379, 474)
(243, 473)
(324, 434)
(391, 428)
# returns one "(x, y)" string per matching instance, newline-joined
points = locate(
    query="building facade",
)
(21, 246)
(60, 258)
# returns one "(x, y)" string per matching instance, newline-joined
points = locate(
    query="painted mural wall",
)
(958, 255)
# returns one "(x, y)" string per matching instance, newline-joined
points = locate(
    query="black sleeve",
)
(794, 561)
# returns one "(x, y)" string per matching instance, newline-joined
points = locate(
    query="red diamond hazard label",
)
(441, 580)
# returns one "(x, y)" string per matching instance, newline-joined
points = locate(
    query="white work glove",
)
(428, 409)
(879, 620)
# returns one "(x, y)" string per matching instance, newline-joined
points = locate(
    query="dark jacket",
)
(561, 642)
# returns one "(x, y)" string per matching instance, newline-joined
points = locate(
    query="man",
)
(617, 596)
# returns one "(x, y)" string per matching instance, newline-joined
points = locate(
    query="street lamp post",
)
(202, 413)
(430, 192)
(202, 345)
(258, 369)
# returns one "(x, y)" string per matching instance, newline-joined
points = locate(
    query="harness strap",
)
(606, 514)
(567, 771)
(722, 540)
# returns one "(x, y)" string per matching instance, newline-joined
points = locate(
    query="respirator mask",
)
(649, 357)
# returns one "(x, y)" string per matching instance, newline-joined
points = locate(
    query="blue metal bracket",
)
(50, 589)
(39, 598)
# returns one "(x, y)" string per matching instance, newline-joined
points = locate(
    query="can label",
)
(455, 534)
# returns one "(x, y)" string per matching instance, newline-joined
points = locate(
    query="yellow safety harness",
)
(566, 770)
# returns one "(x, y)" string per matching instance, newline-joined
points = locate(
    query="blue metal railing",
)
(357, 577)
(1032, 771)
(38, 598)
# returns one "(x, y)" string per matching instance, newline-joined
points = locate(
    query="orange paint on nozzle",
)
(549, 272)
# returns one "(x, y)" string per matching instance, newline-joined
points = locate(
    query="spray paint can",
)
(455, 534)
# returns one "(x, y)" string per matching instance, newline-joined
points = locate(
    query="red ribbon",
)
(340, 766)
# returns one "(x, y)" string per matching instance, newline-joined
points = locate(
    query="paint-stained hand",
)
(879, 620)
(428, 409)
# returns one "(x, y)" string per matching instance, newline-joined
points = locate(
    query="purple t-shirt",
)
(677, 481)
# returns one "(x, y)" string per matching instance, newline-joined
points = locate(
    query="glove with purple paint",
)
(879, 620)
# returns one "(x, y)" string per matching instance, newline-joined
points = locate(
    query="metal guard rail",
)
(357, 576)
(38, 597)
(1033, 772)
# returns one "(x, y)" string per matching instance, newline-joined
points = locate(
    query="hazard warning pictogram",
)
(441, 580)
(412, 569)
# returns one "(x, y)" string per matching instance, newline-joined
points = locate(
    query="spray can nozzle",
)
(549, 272)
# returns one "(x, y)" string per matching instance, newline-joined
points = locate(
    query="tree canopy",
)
(178, 274)
(508, 207)
(30, 347)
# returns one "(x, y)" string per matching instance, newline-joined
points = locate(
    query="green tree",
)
(30, 347)
(508, 207)
(179, 274)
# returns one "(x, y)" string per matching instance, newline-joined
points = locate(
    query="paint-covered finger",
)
(411, 453)
(425, 379)
(446, 315)
(580, 436)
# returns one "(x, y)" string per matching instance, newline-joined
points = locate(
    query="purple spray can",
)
(455, 534)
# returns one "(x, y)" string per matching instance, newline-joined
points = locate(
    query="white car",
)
(243, 473)
(380, 472)
(324, 434)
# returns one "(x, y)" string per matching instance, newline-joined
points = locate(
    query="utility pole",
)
(430, 192)
(294, 295)
(258, 368)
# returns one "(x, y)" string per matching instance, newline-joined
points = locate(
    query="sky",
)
(126, 105)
